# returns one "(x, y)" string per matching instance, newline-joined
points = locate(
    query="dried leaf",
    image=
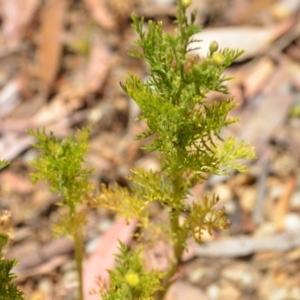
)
(101, 14)
(10, 95)
(11, 145)
(253, 40)
(16, 16)
(259, 124)
(257, 77)
(253, 9)
(50, 44)
(98, 67)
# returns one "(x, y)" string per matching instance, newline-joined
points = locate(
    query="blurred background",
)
(61, 64)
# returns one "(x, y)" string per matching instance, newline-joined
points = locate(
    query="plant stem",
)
(178, 247)
(78, 245)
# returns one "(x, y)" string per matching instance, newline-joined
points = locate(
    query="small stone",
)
(229, 291)
(70, 278)
(279, 294)
(292, 221)
(45, 286)
(230, 208)
(276, 191)
(265, 229)
(224, 192)
(241, 274)
(248, 199)
(196, 275)
(104, 225)
(182, 290)
(213, 292)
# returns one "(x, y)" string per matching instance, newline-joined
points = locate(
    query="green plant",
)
(185, 130)
(129, 280)
(8, 290)
(3, 163)
(61, 165)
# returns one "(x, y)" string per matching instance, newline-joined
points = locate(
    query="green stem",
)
(178, 247)
(78, 244)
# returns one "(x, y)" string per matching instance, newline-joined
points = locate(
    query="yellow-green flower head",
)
(186, 3)
(132, 279)
(218, 59)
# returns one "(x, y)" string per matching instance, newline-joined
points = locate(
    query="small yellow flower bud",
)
(132, 279)
(186, 3)
(213, 47)
(218, 59)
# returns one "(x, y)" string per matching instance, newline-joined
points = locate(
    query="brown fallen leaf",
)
(258, 125)
(12, 144)
(10, 95)
(155, 10)
(253, 8)
(63, 104)
(16, 15)
(101, 14)
(256, 78)
(16, 183)
(50, 44)
(98, 67)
